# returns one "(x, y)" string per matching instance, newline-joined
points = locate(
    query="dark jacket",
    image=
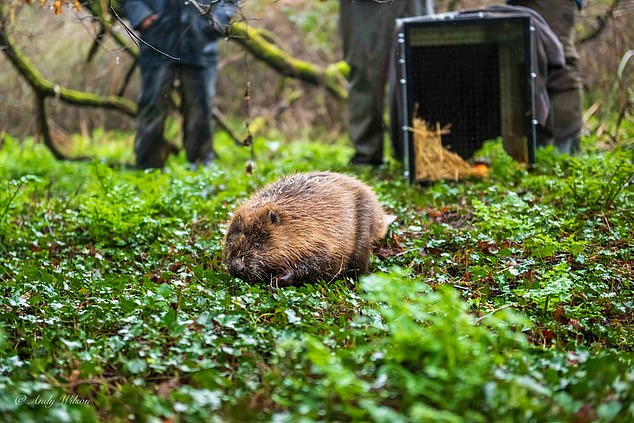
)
(548, 54)
(181, 30)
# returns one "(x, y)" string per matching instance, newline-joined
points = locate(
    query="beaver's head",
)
(250, 250)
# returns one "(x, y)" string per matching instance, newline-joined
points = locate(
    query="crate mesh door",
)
(472, 74)
(459, 86)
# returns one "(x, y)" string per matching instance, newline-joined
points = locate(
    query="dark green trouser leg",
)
(198, 88)
(150, 147)
(564, 85)
(367, 30)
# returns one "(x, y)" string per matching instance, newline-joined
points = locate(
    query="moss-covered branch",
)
(46, 88)
(99, 9)
(44, 129)
(601, 23)
(258, 43)
(43, 88)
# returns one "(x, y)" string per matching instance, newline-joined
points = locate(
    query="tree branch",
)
(44, 129)
(127, 78)
(253, 40)
(258, 42)
(45, 88)
(261, 44)
(602, 22)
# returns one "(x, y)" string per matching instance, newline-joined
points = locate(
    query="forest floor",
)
(507, 298)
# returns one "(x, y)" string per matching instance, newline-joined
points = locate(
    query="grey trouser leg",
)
(367, 29)
(150, 147)
(198, 88)
(564, 84)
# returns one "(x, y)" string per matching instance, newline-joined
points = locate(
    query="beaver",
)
(304, 227)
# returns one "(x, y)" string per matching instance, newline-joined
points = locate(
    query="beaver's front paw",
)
(286, 279)
(281, 281)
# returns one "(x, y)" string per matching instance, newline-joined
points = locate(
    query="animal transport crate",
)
(471, 73)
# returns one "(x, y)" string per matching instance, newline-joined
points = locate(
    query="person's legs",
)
(564, 84)
(198, 89)
(150, 147)
(366, 30)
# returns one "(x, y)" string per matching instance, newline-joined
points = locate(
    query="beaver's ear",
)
(234, 225)
(274, 217)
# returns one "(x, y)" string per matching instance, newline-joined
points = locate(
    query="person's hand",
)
(147, 22)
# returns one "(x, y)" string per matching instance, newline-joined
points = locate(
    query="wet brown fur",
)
(304, 227)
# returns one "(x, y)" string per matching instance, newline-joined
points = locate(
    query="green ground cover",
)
(505, 299)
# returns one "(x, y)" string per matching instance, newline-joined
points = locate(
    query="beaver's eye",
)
(257, 244)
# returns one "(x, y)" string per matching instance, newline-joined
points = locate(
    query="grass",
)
(505, 299)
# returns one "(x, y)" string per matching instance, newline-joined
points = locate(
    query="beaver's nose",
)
(236, 267)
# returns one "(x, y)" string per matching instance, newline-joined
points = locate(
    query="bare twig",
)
(126, 79)
(44, 129)
(602, 22)
(491, 313)
(220, 119)
(96, 43)
(135, 37)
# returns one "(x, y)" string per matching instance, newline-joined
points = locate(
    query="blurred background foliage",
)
(59, 46)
